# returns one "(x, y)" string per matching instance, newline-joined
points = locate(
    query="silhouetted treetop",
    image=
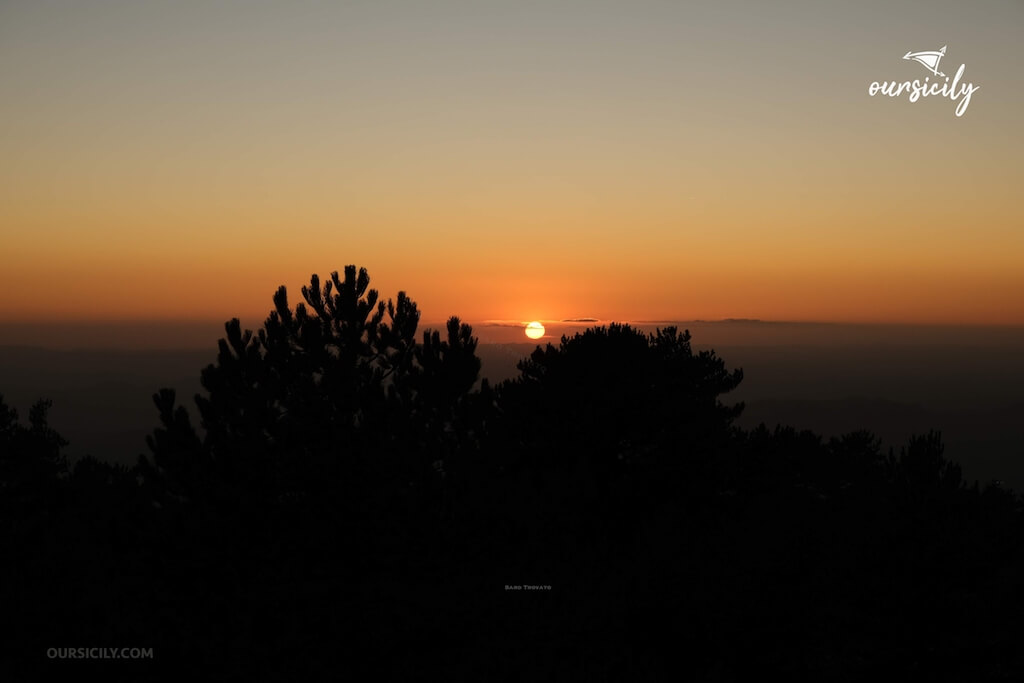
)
(330, 387)
(615, 392)
(31, 456)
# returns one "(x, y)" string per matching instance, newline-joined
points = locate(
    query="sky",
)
(511, 161)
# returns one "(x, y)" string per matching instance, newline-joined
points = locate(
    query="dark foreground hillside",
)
(358, 506)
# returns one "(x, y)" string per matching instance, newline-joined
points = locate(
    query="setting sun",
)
(534, 330)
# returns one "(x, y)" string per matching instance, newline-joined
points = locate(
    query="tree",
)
(608, 429)
(31, 457)
(334, 391)
(621, 396)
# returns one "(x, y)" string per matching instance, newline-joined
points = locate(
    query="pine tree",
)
(335, 391)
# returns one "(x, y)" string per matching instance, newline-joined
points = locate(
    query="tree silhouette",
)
(334, 391)
(923, 467)
(348, 483)
(31, 457)
(598, 436)
(616, 397)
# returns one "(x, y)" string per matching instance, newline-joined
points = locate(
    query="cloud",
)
(502, 323)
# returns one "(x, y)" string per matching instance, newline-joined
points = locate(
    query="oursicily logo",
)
(916, 89)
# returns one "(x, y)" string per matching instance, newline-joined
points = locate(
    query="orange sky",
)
(510, 161)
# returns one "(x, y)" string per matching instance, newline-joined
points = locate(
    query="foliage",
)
(615, 393)
(351, 489)
(338, 386)
(31, 456)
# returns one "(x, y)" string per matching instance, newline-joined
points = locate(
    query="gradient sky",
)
(511, 160)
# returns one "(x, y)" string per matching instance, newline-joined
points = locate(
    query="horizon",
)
(198, 334)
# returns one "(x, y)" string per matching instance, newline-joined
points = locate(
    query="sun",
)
(534, 330)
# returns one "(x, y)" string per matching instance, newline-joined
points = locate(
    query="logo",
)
(957, 90)
(929, 58)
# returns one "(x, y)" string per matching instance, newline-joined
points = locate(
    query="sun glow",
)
(534, 330)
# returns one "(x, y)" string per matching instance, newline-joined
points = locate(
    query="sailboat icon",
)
(929, 58)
